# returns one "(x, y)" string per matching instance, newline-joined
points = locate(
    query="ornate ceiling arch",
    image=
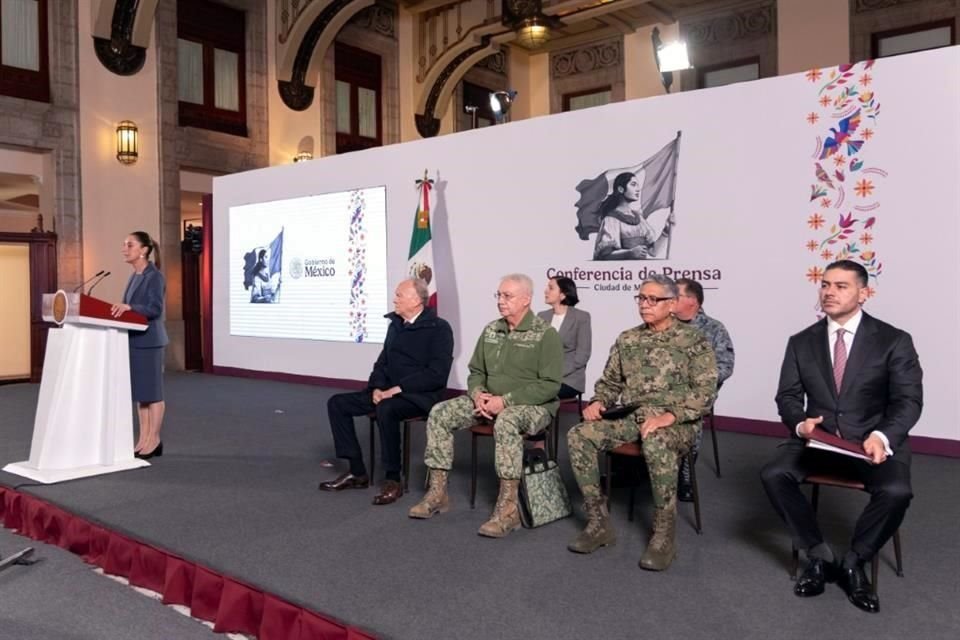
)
(121, 34)
(302, 40)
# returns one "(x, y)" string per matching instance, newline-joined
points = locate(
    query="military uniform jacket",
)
(524, 366)
(719, 339)
(672, 370)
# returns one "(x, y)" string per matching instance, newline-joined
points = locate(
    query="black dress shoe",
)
(814, 578)
(345, 481)
(390, 492)
(858, 589)
(156, 453)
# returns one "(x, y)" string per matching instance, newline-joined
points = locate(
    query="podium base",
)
(51, 476)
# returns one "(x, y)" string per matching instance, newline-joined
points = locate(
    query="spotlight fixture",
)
(670, 57)
(127, 142)
(500, 103)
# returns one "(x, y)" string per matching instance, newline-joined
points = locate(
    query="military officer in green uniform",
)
(515, 374)
(667, 370)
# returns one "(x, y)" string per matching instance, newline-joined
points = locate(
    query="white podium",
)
(84, 421)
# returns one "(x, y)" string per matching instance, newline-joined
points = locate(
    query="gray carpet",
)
(61, 598)
(236, 490)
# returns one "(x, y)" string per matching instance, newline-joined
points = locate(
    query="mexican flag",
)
(420, 263)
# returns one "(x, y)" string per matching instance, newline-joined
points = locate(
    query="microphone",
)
(102, 278)
(80, 286)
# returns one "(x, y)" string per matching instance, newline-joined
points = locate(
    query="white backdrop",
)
(756, 206)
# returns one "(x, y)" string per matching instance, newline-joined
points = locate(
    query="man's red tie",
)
(839, 358)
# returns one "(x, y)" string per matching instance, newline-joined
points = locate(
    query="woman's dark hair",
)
(569, 290)
(261, 254)
(611, 201)
(152, 250)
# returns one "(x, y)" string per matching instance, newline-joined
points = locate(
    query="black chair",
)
(816, 481)
(556, 418)
(484, 429)
(635, 450)
(405, 427)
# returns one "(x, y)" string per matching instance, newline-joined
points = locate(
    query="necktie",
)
(839, 358)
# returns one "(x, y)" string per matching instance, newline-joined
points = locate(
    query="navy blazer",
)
(417, 357)
(576, 335)
(145, 295)
(882, 386)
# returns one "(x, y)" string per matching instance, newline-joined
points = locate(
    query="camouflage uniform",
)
(669, 371)
(716, 334)
(525, 367)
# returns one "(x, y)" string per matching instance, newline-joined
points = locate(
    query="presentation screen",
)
(311, 268)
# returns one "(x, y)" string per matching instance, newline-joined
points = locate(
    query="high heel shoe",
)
(156, 453)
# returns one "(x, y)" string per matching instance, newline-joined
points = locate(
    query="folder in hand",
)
(826, 441)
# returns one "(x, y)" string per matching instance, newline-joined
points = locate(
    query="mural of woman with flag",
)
(420, 262)
(262, 271)
(631, 209)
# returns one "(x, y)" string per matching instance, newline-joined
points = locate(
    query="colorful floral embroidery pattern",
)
(846, 191)
(357, 252)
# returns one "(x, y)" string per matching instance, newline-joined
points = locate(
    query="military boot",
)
(662, 548)
(506, 515)
(598, 532)
(436, 501)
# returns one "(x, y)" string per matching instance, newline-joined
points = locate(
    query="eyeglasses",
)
(507, 297)
(651, 300)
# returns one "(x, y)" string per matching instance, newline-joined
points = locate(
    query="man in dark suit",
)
(408, 378)
(855, 376)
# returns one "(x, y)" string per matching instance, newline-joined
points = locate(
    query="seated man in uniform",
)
(514, 379)
(665, 370)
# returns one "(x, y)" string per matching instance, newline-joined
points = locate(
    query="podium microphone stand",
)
(84, 423)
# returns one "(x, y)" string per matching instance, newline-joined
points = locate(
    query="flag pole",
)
(673, 196)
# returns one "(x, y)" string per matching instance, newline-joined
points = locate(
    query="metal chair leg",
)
(373, 447)
(874, 571)
(406, 455)
(897, 552)
(556, 437)
(713, 436)
(795, 563)
(473, 470)
(696, 493)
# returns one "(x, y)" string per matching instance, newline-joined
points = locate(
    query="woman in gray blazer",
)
(145, 295)
(573, 325)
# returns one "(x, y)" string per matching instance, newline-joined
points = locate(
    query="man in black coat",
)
(857, 377)
(408, 378)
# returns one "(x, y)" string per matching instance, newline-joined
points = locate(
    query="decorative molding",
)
(119, 54)
(497, 63)
(379, 18)
(587, 59)
(296, 94)
(428, 125)
(863, 6)
(747, 24)
(288, 11)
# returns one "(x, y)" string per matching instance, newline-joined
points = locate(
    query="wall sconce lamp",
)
(128, 148)
(303, 156)
(671, 57)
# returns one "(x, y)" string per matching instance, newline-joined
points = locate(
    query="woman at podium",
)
(145, 295)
